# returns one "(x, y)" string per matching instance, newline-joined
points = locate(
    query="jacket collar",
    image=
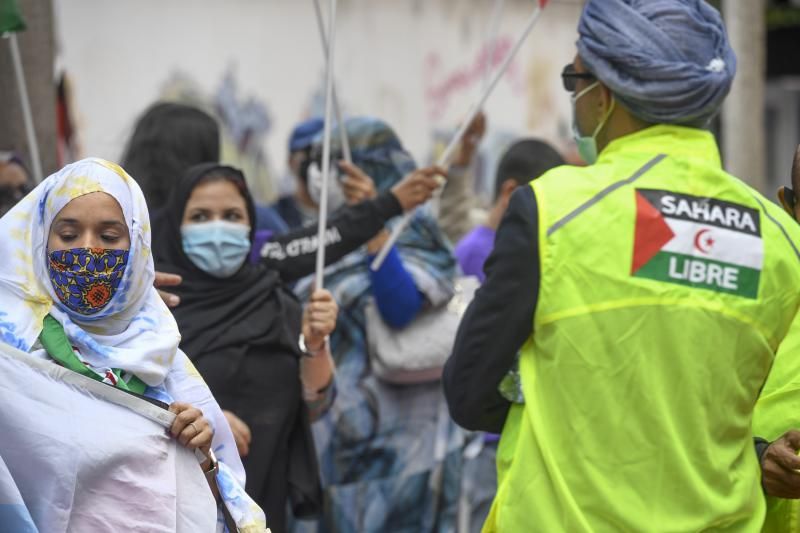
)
(669, 139)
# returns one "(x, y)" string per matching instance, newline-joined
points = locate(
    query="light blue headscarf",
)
(666, 61)
(426, 253)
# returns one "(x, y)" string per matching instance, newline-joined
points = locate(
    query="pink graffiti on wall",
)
(443, 85)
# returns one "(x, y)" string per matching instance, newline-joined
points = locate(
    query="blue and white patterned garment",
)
(390, 455)
(134, 332)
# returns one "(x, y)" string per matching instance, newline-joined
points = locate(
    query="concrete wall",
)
(415, 63)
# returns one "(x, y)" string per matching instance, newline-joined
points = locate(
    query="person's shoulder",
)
(268, 218)
(570, 178)
(285, 202)
(521, 216)
(561, 171)
(522, 199)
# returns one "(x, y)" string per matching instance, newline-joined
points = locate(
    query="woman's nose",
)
(90, 240)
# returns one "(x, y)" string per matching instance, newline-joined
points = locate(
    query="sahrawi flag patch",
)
(699, 242)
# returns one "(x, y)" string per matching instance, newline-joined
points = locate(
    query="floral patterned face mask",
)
(85, 279)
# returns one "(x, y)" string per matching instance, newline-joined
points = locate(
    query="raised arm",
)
(294, 254)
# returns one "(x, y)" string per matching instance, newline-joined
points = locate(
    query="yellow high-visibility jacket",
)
(667, 286)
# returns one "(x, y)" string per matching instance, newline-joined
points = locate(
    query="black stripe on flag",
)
(709, 211)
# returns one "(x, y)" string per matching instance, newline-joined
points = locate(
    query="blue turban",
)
(666, 61)
(304, 133)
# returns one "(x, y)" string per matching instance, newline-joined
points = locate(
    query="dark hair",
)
(168, 139)
(524, 161)
(229, 174)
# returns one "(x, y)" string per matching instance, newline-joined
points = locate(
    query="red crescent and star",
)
(701, 243)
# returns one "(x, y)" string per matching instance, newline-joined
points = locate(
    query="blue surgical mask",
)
(587, 144)
(219, 248)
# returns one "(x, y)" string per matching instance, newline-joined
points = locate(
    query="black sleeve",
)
(498, 321)
(293, 254)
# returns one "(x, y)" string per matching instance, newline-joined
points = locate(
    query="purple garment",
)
(473, 250)
(259, 239)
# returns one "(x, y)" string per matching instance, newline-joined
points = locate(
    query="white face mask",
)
(336, 198)
(587, 144)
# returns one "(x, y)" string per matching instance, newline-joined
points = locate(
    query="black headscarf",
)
(230, 315)
(239, 330)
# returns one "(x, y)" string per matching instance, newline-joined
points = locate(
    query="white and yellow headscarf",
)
(135, 332)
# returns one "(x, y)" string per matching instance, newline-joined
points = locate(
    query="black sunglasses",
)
(570, 78)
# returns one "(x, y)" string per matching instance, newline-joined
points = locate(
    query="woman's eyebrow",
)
(75, 222)
(109, 223)
(66, 222)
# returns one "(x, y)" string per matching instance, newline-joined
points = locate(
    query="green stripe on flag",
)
(698, 272)
(10, 17)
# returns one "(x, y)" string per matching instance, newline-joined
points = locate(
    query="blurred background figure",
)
(461, 207)
(168, 139)
(14, 181)
(298, 208)
(390, 455)
(523, 162)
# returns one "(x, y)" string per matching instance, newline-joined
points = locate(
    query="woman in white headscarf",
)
(76, 287)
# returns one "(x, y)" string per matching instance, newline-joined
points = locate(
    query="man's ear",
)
(784, 203)
(508, 187)
(606, 97)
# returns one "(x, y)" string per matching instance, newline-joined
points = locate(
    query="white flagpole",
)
(490, 44)
(491, 41)
(444, 159)
(27, 116)
(345, 142)
(326, 150)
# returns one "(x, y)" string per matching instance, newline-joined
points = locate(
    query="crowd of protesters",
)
(626, 363)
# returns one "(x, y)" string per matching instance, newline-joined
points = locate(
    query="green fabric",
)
(639, 390)
(10, 17)
(57, 345)
(510, 386)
